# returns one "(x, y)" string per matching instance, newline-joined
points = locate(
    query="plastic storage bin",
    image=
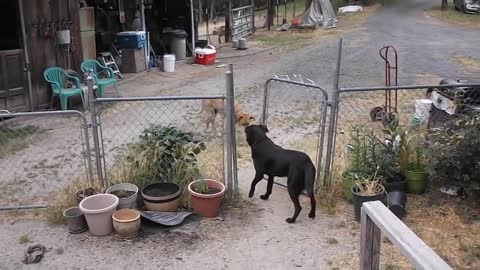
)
(131, 39)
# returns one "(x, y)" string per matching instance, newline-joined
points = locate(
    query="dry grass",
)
(65, 198)
(468, 62)
(454, 17)
(295, 39)
(444, 225)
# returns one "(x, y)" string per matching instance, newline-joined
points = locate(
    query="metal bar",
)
(241, 25)
(192, 25)
(18, 207)
(96, 141)
(229, 118)
(26, 55)
(234, 133)
(242, 35)
(241, 17)
(240, 8)
(243, 31)
(321, 139)
(333, 117)
(405, 87)
(164, 98)
(144, 27)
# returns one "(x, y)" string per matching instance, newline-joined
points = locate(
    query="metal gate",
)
(242, 20)
(295, 111)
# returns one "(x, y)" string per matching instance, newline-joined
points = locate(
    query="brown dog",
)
(215, 106)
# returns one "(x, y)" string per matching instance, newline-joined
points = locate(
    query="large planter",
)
(126, 223)
(207, 205)
(98, 210)
(416, 181)
(359, 199)
(348, 180)
(398, 184)
(162, 197)
(75, 220)
(127, 195)
(397, 202)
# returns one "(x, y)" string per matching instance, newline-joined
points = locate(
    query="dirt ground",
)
(253, 235)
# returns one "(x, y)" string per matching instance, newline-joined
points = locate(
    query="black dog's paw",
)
(290, 220)
(250, 195)
(264, 197)
(311, 215)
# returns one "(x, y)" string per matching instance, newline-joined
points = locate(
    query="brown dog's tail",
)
(199, 111)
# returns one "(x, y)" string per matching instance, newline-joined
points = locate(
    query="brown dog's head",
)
(255, 133)
(244, 119)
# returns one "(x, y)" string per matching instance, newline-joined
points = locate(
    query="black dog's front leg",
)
(255, 181)
(269, 188)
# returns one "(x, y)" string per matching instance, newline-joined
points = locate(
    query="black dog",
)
(273, 160)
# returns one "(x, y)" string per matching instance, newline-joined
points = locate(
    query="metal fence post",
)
(333, 118)
(96, 141)
(230, 129)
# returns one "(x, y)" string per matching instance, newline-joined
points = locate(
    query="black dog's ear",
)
(264, 127)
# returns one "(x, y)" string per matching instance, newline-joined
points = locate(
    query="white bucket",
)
(169, 62)
(422, 108)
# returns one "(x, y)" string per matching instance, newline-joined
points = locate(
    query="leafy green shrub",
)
(454, 153)
(163, 154)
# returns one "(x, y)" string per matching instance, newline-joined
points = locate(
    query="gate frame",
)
(84, 137)
(321, 123)
(229, 158)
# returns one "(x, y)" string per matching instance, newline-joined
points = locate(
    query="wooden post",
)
(369, 244)
(228, 31)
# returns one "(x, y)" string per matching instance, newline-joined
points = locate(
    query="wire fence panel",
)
(41, 153)
(141, 139)
(295, 112)
(427, 109)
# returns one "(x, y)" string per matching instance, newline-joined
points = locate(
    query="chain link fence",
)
(40, 153)
(132, 130)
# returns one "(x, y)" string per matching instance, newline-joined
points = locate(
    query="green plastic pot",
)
(416, 181)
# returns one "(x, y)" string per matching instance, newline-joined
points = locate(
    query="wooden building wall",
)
(42, 51)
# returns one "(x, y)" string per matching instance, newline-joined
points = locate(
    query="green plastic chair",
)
(92, 64)
(57, 77)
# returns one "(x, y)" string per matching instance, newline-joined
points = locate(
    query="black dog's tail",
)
(310, 178)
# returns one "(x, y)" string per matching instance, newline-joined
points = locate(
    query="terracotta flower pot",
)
(126, 223)
(207, 205)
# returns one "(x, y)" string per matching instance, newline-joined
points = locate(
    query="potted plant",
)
(415, 173)
(84, 193)
(206, 196)
(366, 190)
(126, 223)
(127, 194)
(360, 166)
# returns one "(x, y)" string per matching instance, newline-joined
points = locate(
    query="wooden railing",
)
(377, 219)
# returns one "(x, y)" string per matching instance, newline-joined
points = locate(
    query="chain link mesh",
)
(125, 124)
(40, 154)
(295, 115)
(428, 108)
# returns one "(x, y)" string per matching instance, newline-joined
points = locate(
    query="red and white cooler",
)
(205, 56)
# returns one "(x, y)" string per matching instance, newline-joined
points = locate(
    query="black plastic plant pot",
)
(359, 199)
(397, 184)
(397, 201)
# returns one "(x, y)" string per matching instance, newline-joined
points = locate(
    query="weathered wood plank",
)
(410, 245)
(369, 244)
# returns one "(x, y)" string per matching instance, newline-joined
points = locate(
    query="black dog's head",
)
(255, 133)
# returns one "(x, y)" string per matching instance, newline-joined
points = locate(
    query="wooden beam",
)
(420, 255)
(369, 244)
